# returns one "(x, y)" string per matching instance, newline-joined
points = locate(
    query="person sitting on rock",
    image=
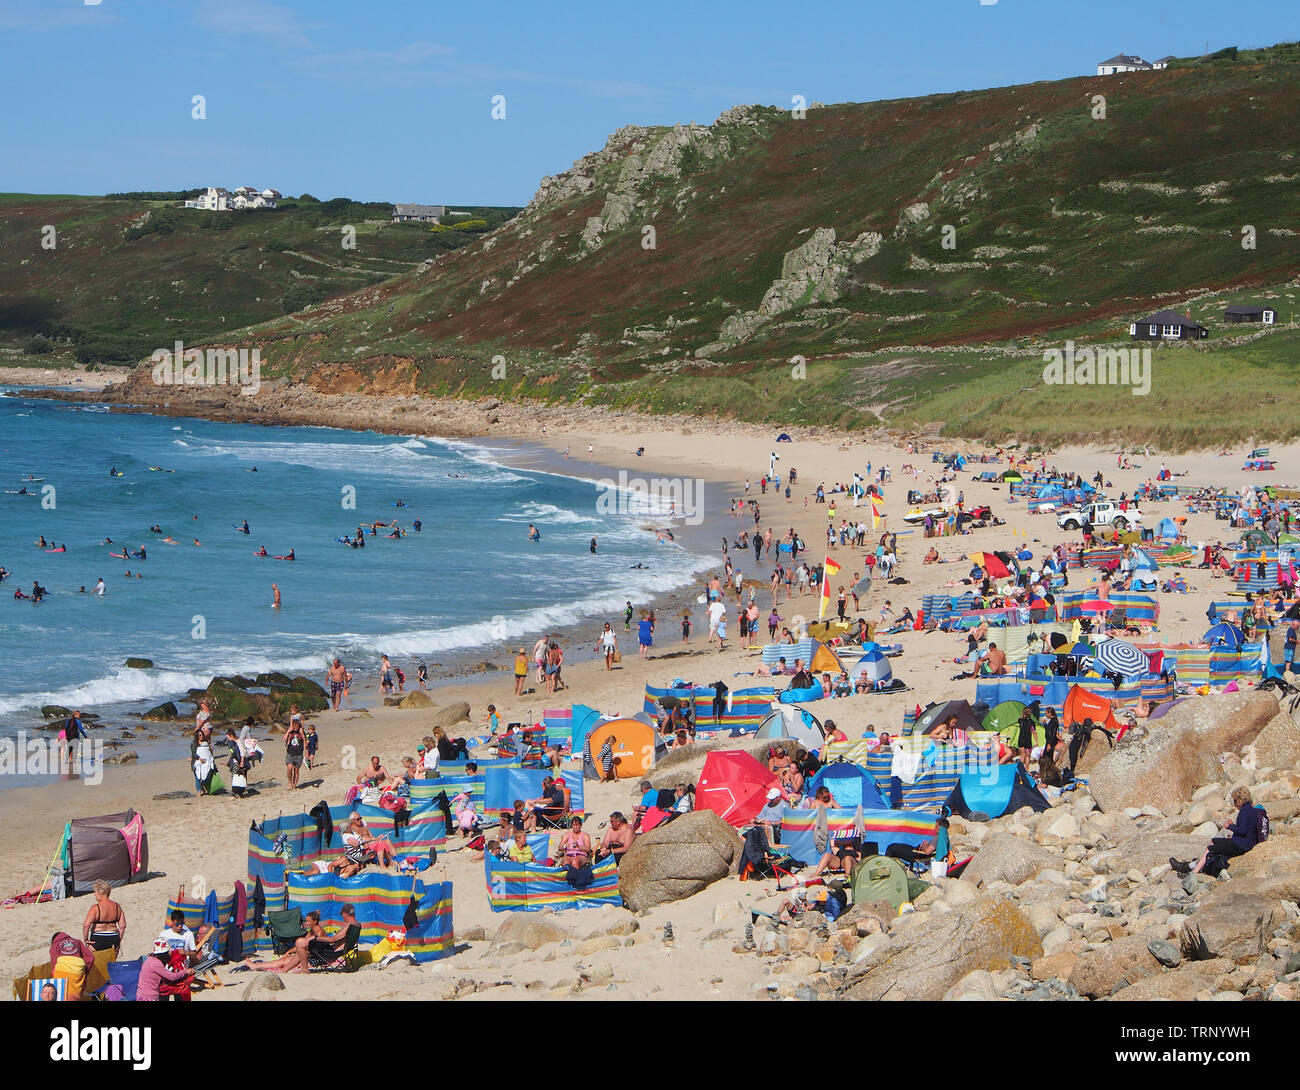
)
(1246, 833)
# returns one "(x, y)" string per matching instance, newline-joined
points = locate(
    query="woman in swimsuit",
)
(575, 845)
(105, 923)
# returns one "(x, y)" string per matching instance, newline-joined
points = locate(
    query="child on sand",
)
(313, 740)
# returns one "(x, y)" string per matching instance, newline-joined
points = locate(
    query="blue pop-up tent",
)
(851, 786)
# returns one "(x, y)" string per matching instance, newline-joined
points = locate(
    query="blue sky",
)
(393, 100)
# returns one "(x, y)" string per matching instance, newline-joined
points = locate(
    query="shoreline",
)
(203, 839)
(120, 725)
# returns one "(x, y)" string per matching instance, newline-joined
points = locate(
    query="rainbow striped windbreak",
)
(883, 827)
(453, 779)
(426, 830)
(530, 887)
(381, 902)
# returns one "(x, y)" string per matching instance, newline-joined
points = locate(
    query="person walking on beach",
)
(645, 635)
(607, 645)
(385, 674)
(338, 681)
(686, 625)
(539, 659)
(295, 746)
(627, 617)
(521, 671)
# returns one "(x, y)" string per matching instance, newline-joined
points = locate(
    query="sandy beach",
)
(203, 839)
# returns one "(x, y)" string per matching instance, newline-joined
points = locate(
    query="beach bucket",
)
(939, 868)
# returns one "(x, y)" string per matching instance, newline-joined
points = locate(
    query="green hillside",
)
(903, 261)
(127, 276)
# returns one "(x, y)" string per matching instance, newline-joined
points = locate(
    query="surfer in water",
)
(262, 552)
(275, 591)
(244, 528)
(593, 546)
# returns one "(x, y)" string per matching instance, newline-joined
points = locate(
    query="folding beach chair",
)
(286, 927)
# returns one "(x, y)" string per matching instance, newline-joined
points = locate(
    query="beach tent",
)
(1167, 528)
(633, 743)
(733, 785)
(1225, 635)
(797, 724)
(875, 664)
(849, 784)
(1012, 476)
(937, 714)
(817, 656)
(879, 878)
(114, 847)
(995, 792)
(1004, 718)
(1080, 704)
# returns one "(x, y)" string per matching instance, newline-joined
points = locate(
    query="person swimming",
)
(593, 545)
(262, 552)
(534, 534)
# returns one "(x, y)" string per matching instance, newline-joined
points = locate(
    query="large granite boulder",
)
(677, 860)
(1234, 921)
(1180, 751)
(1278, 744)
(924, 961)
(1008, 858)
(415, 699)
(449, 716)
(530, 930)
(1113, 966)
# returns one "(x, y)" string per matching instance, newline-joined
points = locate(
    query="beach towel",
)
(240, 912)
(904, 765)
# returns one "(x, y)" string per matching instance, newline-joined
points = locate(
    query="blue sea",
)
(468, 580)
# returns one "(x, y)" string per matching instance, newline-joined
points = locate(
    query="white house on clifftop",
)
(218, 199)
(1122, 62)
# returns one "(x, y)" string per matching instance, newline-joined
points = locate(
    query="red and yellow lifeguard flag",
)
(877, 511)
(829, 568)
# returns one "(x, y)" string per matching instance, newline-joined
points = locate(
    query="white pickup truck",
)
(1100, 514)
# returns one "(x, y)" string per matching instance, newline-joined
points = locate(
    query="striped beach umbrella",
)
(1121, 657)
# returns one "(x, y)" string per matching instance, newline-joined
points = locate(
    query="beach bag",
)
(1215, 864)
(618, 656)
(1261, 823)
(238, 781)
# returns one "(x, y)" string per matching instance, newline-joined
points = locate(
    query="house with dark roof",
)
(1122, 62)
(1250, 312)
(418, 213)
(1167, 325)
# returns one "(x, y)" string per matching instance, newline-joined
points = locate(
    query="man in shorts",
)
(338, 680)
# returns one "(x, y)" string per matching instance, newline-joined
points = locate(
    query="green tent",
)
(879, 878)
(1004, 719)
